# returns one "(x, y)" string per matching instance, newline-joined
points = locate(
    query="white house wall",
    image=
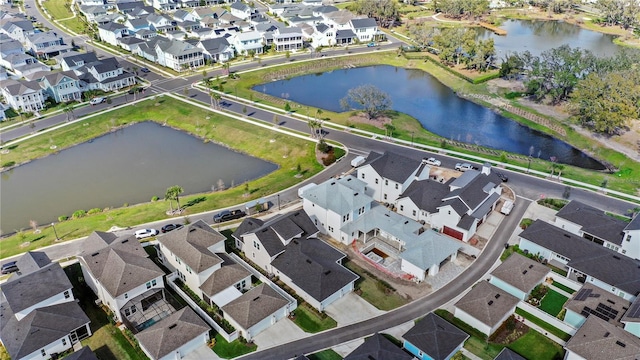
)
(259, 256)
(411, 269)
(121, 300)
(192, 279)
(631, 244)
(471, 321)
(568, 226)
(536, 249)
(54, 347)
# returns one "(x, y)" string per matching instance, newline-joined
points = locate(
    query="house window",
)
(396, 186)
(189, 269)
(376, 181)
(44, 353)
(386, 182)
(127, 313)
(66, 294)
(449, 212)
(414, 213)
(256, 244)
(330, 228)
(154, 282)
(401, 207)
(628, 237)
(385, 196)
(126, 296)
(64, 342)
(149, 285)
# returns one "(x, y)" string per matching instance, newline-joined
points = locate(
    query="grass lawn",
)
(76, 25)
(562, 287)
(309, 322)
(325, 355)
(534, 345)
(58, 9)
(552, 302)
(287, 152)
(374, 291)
(552, 329)
(229, 350)
(107, 341)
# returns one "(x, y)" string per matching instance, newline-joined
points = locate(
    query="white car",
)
(97, 100)
(433, 161)
(145, 233)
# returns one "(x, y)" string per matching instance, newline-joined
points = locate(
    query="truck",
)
(507, 207)
(357, 161)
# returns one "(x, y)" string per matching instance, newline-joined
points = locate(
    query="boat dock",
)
(496, 30)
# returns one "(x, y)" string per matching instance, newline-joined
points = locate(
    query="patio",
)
(146, 309)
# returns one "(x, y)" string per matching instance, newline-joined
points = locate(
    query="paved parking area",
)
(282, 332)
(202, 353)
(351, 309)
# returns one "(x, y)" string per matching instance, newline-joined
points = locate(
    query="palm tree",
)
(68, 110)
(226, 67)
(313, 125)
(215, 99)
(388, 128)
(173, 193)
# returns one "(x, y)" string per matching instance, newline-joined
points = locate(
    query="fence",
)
(553, 321)
(565, 281)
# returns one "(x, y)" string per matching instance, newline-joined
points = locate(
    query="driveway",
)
(202, 353)
(351, 309)
(280, 333)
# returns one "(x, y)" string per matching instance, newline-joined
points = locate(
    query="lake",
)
(437, 108)
(130, 165)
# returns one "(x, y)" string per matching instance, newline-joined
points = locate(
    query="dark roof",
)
(435, 337)
(312, 265)
(593, 300)
(129, 5)
(598, 339)
(32, 261)
(586, 256)
(634, 224)
(172, 332)
(229, 274)
(475, 192)
(248, 225)
(426, 194)
(466, 221)
(363, 23)
(191, 244)
(215, 45)
(378, 347)
(85, 58)
(487, 303)
(83, 354)
(255, 305)
(40, 328)
(458, 206)
(633, 313)
(112, 27)
(508, 354)
(22, 292)
(594, 221)
(392, 166)
(345, 34)
(521, 272)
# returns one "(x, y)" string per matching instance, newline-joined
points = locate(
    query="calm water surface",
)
(128, 166)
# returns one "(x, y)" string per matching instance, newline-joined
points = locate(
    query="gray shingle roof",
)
(458, 206)
(191, 244)
(83, 354)
(597, 339)
(112, 27)
(229, 274)
(487, 303)
(340, 196)
(476, 191)
(508, 354)
(172, 332)
(74, 60)
(22, 292)
(40, 328)
(435, 337)
(363, 23)
(255, 305)
(521, 272)
(587, 257)
(634, 224)
(392, 166)
(594, 221)
(426, 194)
(591, 296)
(56, 77)
(378, 347)
(32, 261)
(215, 45)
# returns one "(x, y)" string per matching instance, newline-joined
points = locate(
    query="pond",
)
(130, 165)
(437, 108)
(539, 36)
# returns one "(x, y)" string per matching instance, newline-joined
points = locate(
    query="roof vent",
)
(497, 296)
(524, 272)
(490, 302)
(256, 298)
(172, 326)
(333, 183)
(531, 266)
(308, 261)
(192, 229)
(611, 301)
(607, 334)
(567, 235)
(125, 241)
(616, 257)
(327, 272)
(95, 254)
(406, 222)
(356, 194)
(620, 343)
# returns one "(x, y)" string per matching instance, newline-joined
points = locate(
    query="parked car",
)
(465, 167)
(372, 44)
(145, 70)
(145, 233)
(170, 227)
(433, 161)
(502, 176)
(228, 215)
(97, 100)
(9, 268)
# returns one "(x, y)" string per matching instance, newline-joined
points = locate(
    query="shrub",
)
(78, 214)
(525, 223)
(329, 159)
(513, 94)
(9, 164)
(323, 146)
(155, 198)
(63, 218)
(94, 211)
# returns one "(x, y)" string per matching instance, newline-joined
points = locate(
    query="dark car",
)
(145, 70)
(9, 268)
(502, 176)
(170, 227)
(228, 215)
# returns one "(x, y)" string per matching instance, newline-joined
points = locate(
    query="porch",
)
(146, 309)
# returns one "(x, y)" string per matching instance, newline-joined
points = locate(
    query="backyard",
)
(377, 292)
(229, 350)
(552, 302)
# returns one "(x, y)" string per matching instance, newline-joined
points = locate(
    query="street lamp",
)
(54, 231)
(412, 139)
(278, 202)
(529, 164)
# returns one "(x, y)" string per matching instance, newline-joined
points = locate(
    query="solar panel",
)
(582, 294)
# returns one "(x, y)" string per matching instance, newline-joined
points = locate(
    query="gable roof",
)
(378, 347)
(22, 292)
(239, 5)
(521, 272)
(172, 332)
(83, 354)
(112, 27)
(475, 191)
(487, 303)
(40, 328)
(508, 354)
(427, 194)
(435, 337)
(79, 59)
(339, 195)
(214, 45)
(594, 221)
(428, 249)
(586, 256)
(21, 88)
(32, 261)
(57, 77)
(634, 224)
(392, 166)
(229, 274)
(598, 339)
(363, 23)
(255, 305)
(191, 244)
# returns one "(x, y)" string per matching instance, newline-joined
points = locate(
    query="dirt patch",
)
(509, 332)
(362, 118)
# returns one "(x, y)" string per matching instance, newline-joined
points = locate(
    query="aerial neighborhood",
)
(327, 212)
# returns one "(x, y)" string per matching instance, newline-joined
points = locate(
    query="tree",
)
(384, 11)
(287, 107)
(619, 12)
(204, 75)
(458, 9)
(276, 120)
(244, 110)
(372, 100)
(226, 66)
(68, 110)
(173, 193)
(215, 99)
(388, 129)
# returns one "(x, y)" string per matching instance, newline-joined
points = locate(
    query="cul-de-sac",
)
(320, 179)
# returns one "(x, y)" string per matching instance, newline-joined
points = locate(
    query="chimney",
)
(486, 168)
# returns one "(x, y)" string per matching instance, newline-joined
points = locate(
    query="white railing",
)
(553, 321)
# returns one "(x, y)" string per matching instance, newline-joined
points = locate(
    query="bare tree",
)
(372, 100)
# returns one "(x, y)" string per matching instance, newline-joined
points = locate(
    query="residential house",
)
(18, 29)
(584, 260)
(129, 6)
(485, 307)
(422, 199)
(366, 29)
(203, 33)
(91, 12)
(129, 43)
(62, 86)
(183, 15)
(631, 244)
(40, 317)
(84, 353)
(434, 338)
(631, 318)
(111, 32)
(46, 44)
(175, 336)
(109, 18)
(339, 20)
(8, 47)
(17, 61)
(146, 34)
(227, 19)
(595, 225)
(216, 49)
(92, 2)
(287, 39)
(202, 12)
(241, 10)
(286, 246)
(247, 42)
(140, 12)
(377, 346)
(323, 35)
(508, 354)
(598, 339)
(592, 300)
(161, 23)
(105, 74)
(120, 273)
(164, 5)
(28, 67)
(179, 55)
(518, 275)
(23, 96)
(388, 175)
(136, 24)
(73, 61)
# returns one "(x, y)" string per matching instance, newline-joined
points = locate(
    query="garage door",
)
(452, 232)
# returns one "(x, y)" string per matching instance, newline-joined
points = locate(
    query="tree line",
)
(603, 93)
